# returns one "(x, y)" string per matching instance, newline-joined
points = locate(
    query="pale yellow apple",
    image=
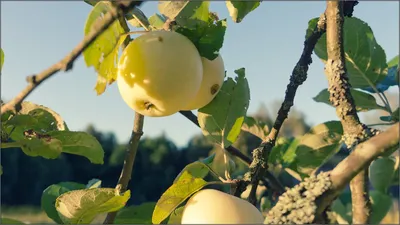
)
(213, 78)
(159, 73)
(209, 206)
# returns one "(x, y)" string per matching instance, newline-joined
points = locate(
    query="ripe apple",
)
(159, 73)
(209, 206)
(213, 78)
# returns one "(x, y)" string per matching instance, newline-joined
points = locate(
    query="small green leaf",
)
(93, 183)
(257, 128)
(381, 172)
(157, 21)
(290, 154)
(176, 216)
(45, 146)
(343, 215)
(10, 221)
(185, 13)
(365, 58)
(51, 193)
(207, 37)
(364, 101)
(239, 9)
(317, 146)
(278, 151)
(102, 54)
(176, 194)
(1, 59)
(136, 214)
(209, 160)
(380, 206)
(393, 62)
(80, 143)
(82, 206)
(221, 120)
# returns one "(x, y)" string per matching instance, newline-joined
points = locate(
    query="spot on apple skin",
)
(160, 39)
(214, 89)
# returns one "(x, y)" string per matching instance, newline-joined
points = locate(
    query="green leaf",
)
(136, 214)
(380, 206)
(257, 128)
(278, 151)
(317, 146)
(93, 183)
(44, 146)
(343, 215)
(135, 17)
(157, 21)
(102, 54)
(364, 101)
(176, 216)
(82, 206)
(239, 9)
(196, 169)
(290, 154)
(10, 221)
(209, 160)
(395, 115)
(185, 13)
(80, 143)
(207, 37)
(1, 59)
(381, 172)
(365, 58)
(51, 193)
(176, 194)
(221, 120)
(393, 62)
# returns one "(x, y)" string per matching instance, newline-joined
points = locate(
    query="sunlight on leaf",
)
(82, 206)
(255, 127)
(240, 9)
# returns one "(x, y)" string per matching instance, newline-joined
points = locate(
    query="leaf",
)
(255, 127)
(381, 172)
(157, 21)
(221, 120)
(1, 59)
(396, 115)
(380, 206)
(51, 193)
(290, 154)
(342, 214)
(317, 146)
(209, 160)
(239, 9)
(176, 194)
(197, 170)
(365, 58)
(10, 221)
(176, 216)
(82, 206)
(102, 54)
(47, 147)
(135, 17)
(278, 151)
(207, 37)
(185, 13)
(136, 214)
(93, 183)
(80, 143)
(364, 101)
(394, 62)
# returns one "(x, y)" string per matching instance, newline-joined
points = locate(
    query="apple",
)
(209, 206)
(159, 73)
(213, 78)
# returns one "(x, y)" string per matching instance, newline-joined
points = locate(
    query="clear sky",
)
(268, 43)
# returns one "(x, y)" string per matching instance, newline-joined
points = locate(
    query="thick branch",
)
(121, 7)
(340, 97)
(357, 161)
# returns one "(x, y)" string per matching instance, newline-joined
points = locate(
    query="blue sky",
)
(268, 43)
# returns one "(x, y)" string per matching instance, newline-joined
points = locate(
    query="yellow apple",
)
(159, 73)
(209, 206)
(213, 78)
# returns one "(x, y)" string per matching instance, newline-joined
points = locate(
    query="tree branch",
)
(120, 8)
(340, 97)
(357, 161)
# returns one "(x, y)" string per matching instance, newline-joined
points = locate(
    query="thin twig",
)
(133, 145)
(120, 8)
(340, 96)
(270, 181)
(358, 160)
